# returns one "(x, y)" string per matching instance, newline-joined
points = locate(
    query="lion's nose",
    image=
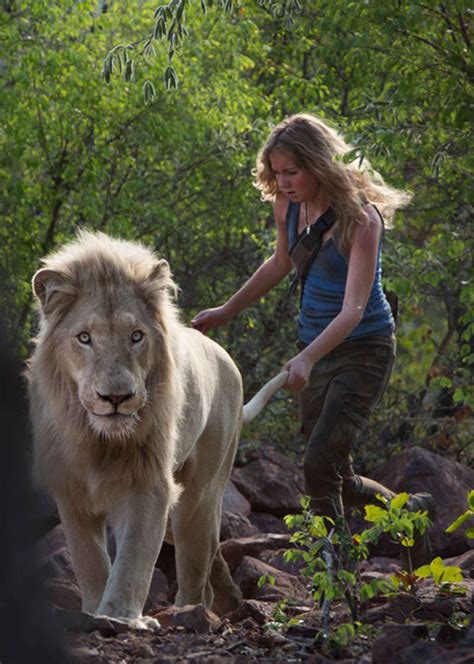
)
(115, 399)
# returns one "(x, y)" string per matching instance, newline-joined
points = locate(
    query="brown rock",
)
(276, 559)
(249, 572)
(83, 654)
(44, 515)
(439, 608)
(402, 607)
(55, 567)
(260, 612)
(236, 525)
(59, 566)
(387, 649)
(319, 659)
(416, 470)
(234, 550)
(63, 594)
(78, 621)
(270, 482)
(466, 645)
(50, 544)
(268, 523)
(465, 561)
(448, 634)
(425, 651)
(380, 564)
(158, 593)
(195, 618)
(370, 575)
(233, 501)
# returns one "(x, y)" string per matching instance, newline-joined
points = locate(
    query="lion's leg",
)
(86, 538)
(140, 524)
(227, 595)
(196, 519)
(195, 534)
(202, 574)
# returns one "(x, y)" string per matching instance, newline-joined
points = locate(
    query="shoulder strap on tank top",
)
(291, 221)
(306, 247)
(381, 218)
(391, 296)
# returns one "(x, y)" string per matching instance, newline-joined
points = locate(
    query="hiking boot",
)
(421, 552)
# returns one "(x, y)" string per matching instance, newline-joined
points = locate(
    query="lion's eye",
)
(137, 336)
(84, 338)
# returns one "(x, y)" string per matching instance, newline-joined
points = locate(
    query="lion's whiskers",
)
(154, 386)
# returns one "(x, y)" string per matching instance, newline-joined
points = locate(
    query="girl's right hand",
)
(209, 318)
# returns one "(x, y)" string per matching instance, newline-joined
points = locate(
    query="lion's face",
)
(108, 354)
(103, 346)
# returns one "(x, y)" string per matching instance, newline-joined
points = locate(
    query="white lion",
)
(136, 420)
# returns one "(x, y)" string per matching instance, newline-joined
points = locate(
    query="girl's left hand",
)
(299, 369)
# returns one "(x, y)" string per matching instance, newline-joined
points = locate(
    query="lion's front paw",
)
(144, 623)
(140, 622)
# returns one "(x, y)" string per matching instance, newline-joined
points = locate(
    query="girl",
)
(345, 325)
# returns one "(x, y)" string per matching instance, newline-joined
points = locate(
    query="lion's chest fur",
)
(204, 399)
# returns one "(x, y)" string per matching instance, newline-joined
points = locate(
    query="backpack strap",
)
(306, 247)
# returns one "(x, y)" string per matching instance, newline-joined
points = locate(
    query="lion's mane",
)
(104, 269)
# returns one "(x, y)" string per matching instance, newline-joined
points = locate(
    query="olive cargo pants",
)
(343, 389)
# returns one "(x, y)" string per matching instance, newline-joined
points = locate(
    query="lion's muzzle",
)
(115, 399)
(114, 409)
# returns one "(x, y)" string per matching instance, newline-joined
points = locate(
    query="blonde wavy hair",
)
(319, 149)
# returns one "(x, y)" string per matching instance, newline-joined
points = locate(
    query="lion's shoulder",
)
(207, 356)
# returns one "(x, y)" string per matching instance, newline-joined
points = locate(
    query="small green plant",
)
(266, 578)
(331, 559)
(468, 514)
(279, 618)
(392, 518)
(443, 575)
(345, 633)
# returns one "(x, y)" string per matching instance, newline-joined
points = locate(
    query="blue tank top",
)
(323, 292)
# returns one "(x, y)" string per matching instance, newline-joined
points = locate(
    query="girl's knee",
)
(317, 462)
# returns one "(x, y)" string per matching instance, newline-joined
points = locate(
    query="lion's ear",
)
(160, 272)
(158, 282)
(161, 277)
(52, 289)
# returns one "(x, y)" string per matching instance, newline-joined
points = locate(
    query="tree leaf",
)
(399, 500)
(458, 522)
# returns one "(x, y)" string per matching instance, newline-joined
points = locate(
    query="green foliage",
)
(279, 619)
(461, 519)
(393, 519)
(170, 26)
(172, 168)
(344, 634)
(443, 575)
(331, 556)
(264, 579)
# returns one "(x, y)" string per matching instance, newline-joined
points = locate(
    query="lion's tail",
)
(259, 401)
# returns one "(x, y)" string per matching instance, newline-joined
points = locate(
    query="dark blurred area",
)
(28, 633)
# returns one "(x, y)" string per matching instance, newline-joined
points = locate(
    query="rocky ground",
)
(409, 628)
(424, 625)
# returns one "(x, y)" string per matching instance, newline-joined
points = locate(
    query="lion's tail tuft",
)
(260, 400)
